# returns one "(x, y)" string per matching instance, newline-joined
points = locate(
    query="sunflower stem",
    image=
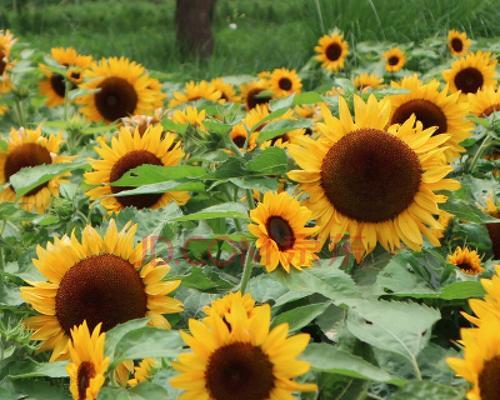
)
(66, 98)
(247, 269)
(320, 16)
(414, 363)
(485, 143)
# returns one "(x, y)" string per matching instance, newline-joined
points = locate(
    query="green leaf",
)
(280, 127)
(163, 187)
(269, 161)
(329, 359)
(169, 125)
(217, 127)
(425, 390)
(464, 210)
(115, 335)
(295, 100)
(301, 316)
(224, 210)
(144, 391)
(52, 370)
(149, 174)
(462, 290)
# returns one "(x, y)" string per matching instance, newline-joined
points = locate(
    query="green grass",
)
(269, 34)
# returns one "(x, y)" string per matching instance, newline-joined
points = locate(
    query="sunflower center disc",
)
(333, 52)
(130, 161)
(281, 232)
(285, 84)
(26, 155)
(103, 288)
(58, 84)
(489, 379)
(116, 99)
(428, 113)
(469, 80)
(86, 372)
(239, 371)
(239, 141)
(370, 175)
(465, 266)
(3, 64)
(393, 60)
(457, 45)
(253, 98)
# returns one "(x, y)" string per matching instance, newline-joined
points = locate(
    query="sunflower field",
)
(328, 232)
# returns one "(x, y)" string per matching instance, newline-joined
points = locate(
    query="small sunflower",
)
(98, 279)
(471, 73)
(458, 42)
(223, 306)
(332, 50)
(376, 184)
(54, 85)
(432, 108)
(226, 89)
(239, 136)
(365, 80)
(279, 223)
(255, 93)
(468, 261)
(28, 148)
(143, 371)
(124, 89)
(7, 40)
(196, 91)
(395, 59)
(285, 82)
(191, 116)
(493, 209)
(481, 363)
(87, 367)
(129, 150)
(485, 101)
(241, 357)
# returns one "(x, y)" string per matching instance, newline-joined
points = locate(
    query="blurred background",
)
(248, 35)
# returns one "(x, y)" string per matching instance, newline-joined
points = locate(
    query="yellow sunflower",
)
(124, 89)
(143, 371)
(485, 101)
(493, 209)
(481, 363)
(7, 40)
(468, 261)
(471, 73)
(376, 184)
(365, 80)
(222, 306)
(239, 134)
(255, 93)
(432, 108)
(28, 148)
(279, 223)
(285, 82)
(3, 109)
(128, 150)
(100, 279)
(54, 85)
(332, 50)
(87, 367)
(227, 90)
(241, 357)
(395, 59)
(458, 42)
(191, 116)
(196, 91)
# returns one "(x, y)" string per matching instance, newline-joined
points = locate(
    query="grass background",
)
(269, 33)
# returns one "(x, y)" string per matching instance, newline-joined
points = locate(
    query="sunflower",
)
(54, 85)
(279, 223)
(100, 279)
(223, 306)
(481, 363)
(239, 136)
(241, 357)
(285, 82)
(128, 150)
(432, 108)
(332, 51)
(28, 148)
(191, 116)
(365, 80)
(3, 109)
(471, 73)
(395, 59)
(255, 93)
(458, 43)
(7, 40)
(468, 261)
(196, 91)
(227, 90)
(493, 209)
(124, 89)
(143, 371)
(485, 101)
(376, 184)
(88, 366)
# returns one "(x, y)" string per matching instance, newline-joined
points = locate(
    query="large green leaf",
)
(52, 370)
(280, 127)
(299, 317)
(426, 390)
(163, 187)
(115, 335)
(145, 391)
(149, 174)
(270, 161)
(225, 210)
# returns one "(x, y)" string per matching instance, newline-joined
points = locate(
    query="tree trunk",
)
(193, 20)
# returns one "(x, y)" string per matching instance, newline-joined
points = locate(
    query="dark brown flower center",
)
(116, 99)
(457, 44)
(281, 232)
(489, 380)
(239, 371)
(86, 372)
(370, 175)
(26, 155)
(76, 75)
(469, 80)
(490, 110)
(333, 51)
(239, 141)
(466, 267)
(103, 288)
(253, 98)
(3, 63)
(428, 113)
(285, 84)
(58, 84)
(130, 161)
(393, 60)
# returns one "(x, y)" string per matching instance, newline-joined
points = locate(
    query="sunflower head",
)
(239, 136)
(395, 59)
(468, 261)
(255, 93)
(87, 367)
(194, 91)
(485, 101)
(7, 40)
(458, 42)
(191, 116)
(143, 371)
(365, 80)
(222, 307)
(285, 82)
(331, 51)
(226, 89)
(492, 208)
